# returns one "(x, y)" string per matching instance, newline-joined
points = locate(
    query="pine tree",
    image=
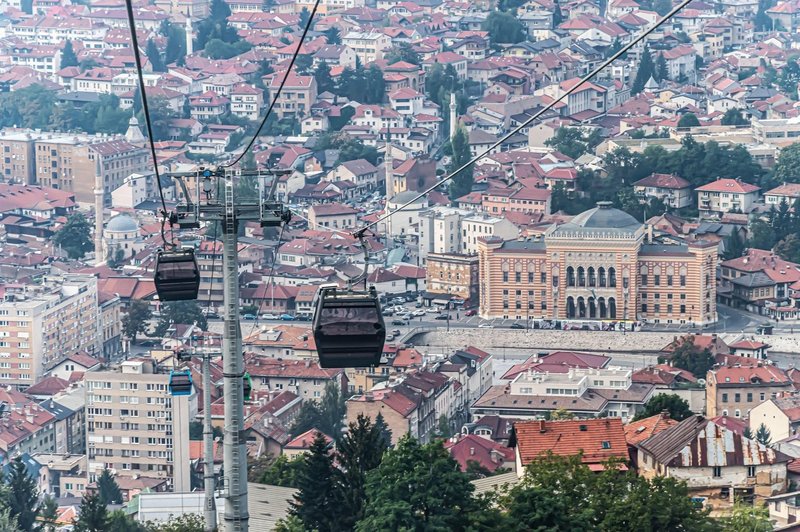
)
(645, 72)
(333, 36)
(108, 489)
(316, 501)
(68, 57)
(763, 435)
(305, 15)
(154, 55)
(322, 73)
(23, 496)
(386, 432)
(558, 17)
(48, 514)
(662, 71)
(360, 451)
(93, 515)
(461, 184)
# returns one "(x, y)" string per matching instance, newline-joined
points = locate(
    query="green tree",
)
(48, 514)
(403, 52)
(688, 120)
(376, 85)
(752, 518)
(461, 184)
(183, 312)
(385, 431)
(283, 472)
(92, 515)
(175, 51)
(325, 415)
(22, 497)
(68, 57)
(154, 55)
(762, 21)
(686, 355)
(787, 167)
(26, 6)
(747, 433)
(305, 16)
(734, 247)
(661, 70)
(119, 521)
(789, 248)
(108, 489)
(503, 28)
(677, 407)
(316, 501)
(332, 35)
(417, 487)
(359, 452)
(733, 117)
(558, 16)
(8, 523)
(134, 321)
(761, 236)
(220, 49)
(196, 431)
(662, 7)
(574, 142)
(74, 236)
(323, 76)
(215, 26)
(763, 435)
(30, 107)
(645, 71)
(291, 523)
(182, 523)
(561, 413)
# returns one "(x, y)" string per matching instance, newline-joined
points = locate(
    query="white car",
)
(485, 326)
(270, 317)
(418, 313)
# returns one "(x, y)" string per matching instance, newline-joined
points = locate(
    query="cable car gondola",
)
(247, 386)
(180, 383)
(348, 328)
(177, 276)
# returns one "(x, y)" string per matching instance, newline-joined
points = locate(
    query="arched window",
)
(581, 276)
(601, 302)
(612, 308)
(570, 276)
(612, 277)
(581, 308)
(570, 307)
(592, 308)
(592, 279)
(601, 277)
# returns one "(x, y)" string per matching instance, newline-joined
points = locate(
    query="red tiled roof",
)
(485, 452)
(734, 375)
(305, 440)
(557, 362)
(638, 431)
(663, 181)
(597, 439)
(729, 185)
(748, 344)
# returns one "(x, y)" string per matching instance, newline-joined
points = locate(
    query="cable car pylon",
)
(229, 212)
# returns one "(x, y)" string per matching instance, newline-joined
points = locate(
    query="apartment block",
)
(135, 427)
(41, 325)
(298, 95)
(368, 46)
(453, 274)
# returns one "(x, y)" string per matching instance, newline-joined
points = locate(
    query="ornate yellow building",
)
(602, 265)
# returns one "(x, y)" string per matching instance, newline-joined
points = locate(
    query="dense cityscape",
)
(581, 220)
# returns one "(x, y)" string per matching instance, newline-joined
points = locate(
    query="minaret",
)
(99, 258)
(189, 34)
(453, 117)
(134, 134)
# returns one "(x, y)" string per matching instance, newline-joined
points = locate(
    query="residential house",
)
(589, 101)
(760, 282)
(484, 452)
(788, 192)
(726, 195)
(303, 378)
(673, 190)
(207, 106)
(246, 101)
(445, 59)
(781, 416)
(369, 46)
(736, 390)
(407, 102)
(595, 440)
(360, 172)
(674, 381)
(741, 469)
(302, 443)
(332, 215)
(298, 95)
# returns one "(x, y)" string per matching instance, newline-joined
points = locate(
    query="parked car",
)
(388, 312)
(396, 332)
(418, 313)
(249, 317)
(418, 304)
(485, 326)
(287, 317)
(269, 316)
(398, 322)
(443, 317)
(389, 337)
(517, 326)
(472, 312)
(433, 311)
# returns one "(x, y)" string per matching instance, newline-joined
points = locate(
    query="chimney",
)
(665, 414)
(308, 362)
(542, 428)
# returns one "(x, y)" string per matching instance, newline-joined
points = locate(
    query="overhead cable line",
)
(529, 121)
(146, 110)
(280, 87)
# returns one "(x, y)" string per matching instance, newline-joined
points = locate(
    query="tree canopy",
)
(134, 321)
(68, 57)
(688, 120)
(645, 71)
(686, 355)
(574, 142)
(503, 28)
(677, 407)
(108, 489)
(183, 312)
(787, 167)
(461, 184)
(74, 237)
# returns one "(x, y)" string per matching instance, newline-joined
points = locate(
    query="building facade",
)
(39, 329)
(135, 426)
(453, 274)
(602, 265)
